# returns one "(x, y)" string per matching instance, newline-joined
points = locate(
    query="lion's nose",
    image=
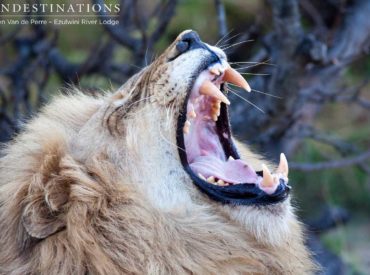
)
(188, 41)
(191, 36)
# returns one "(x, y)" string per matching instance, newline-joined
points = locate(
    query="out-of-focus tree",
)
(296, 66)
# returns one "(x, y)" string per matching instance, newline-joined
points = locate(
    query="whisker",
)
(168, 141)
(234, 36)
(133, 65)
(275, 96)
(257, 74)
(246, 100)
(253, 65)
(238, 43)
(223, 37)
(252, 62)
(257, 91)
(250, 66)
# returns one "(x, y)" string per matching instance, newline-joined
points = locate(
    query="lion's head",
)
(171, 119)
(184, 91)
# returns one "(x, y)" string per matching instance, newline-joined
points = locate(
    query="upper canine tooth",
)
(283, 167)
(268, 180)
(236, 78)
(210, 89)
(211, 179)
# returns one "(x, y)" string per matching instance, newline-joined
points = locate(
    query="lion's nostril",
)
(189, 40)
(186, 41)
(182, 46)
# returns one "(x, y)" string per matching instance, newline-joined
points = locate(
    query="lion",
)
(147, 180)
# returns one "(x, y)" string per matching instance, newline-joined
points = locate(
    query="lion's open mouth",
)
(207, 151)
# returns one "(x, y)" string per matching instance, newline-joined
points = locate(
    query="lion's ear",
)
(45, 206)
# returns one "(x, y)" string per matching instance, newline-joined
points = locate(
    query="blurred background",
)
(306, 60)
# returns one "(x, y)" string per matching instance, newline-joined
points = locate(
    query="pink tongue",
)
(232, 171)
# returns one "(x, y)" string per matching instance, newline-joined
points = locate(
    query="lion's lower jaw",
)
(269, 225)
(168, 188)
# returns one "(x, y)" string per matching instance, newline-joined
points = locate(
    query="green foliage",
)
(347, 187)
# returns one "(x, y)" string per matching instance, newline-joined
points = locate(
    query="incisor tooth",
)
(201, 176)
(210, 89)
(187, 127)
(236, 78)
(215, 71)
(211, 179)
(217, 104)
(216, 111)
(283, 167)
(221, 182)
(268, 180)
(191, 112)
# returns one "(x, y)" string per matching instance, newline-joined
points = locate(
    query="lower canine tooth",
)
(283, 166)
(211, 179)
(230, 158)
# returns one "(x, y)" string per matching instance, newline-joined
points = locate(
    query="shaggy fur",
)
(95, 186)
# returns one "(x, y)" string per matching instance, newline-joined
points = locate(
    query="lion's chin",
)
(270, 225)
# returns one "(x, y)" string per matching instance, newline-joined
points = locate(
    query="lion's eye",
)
(182, 46)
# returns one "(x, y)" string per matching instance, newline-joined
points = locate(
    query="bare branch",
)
(118, 32)
(164, 19)
(353, 38)
(9, 36)
(287, 22)
(221, 18)
(359, 159)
